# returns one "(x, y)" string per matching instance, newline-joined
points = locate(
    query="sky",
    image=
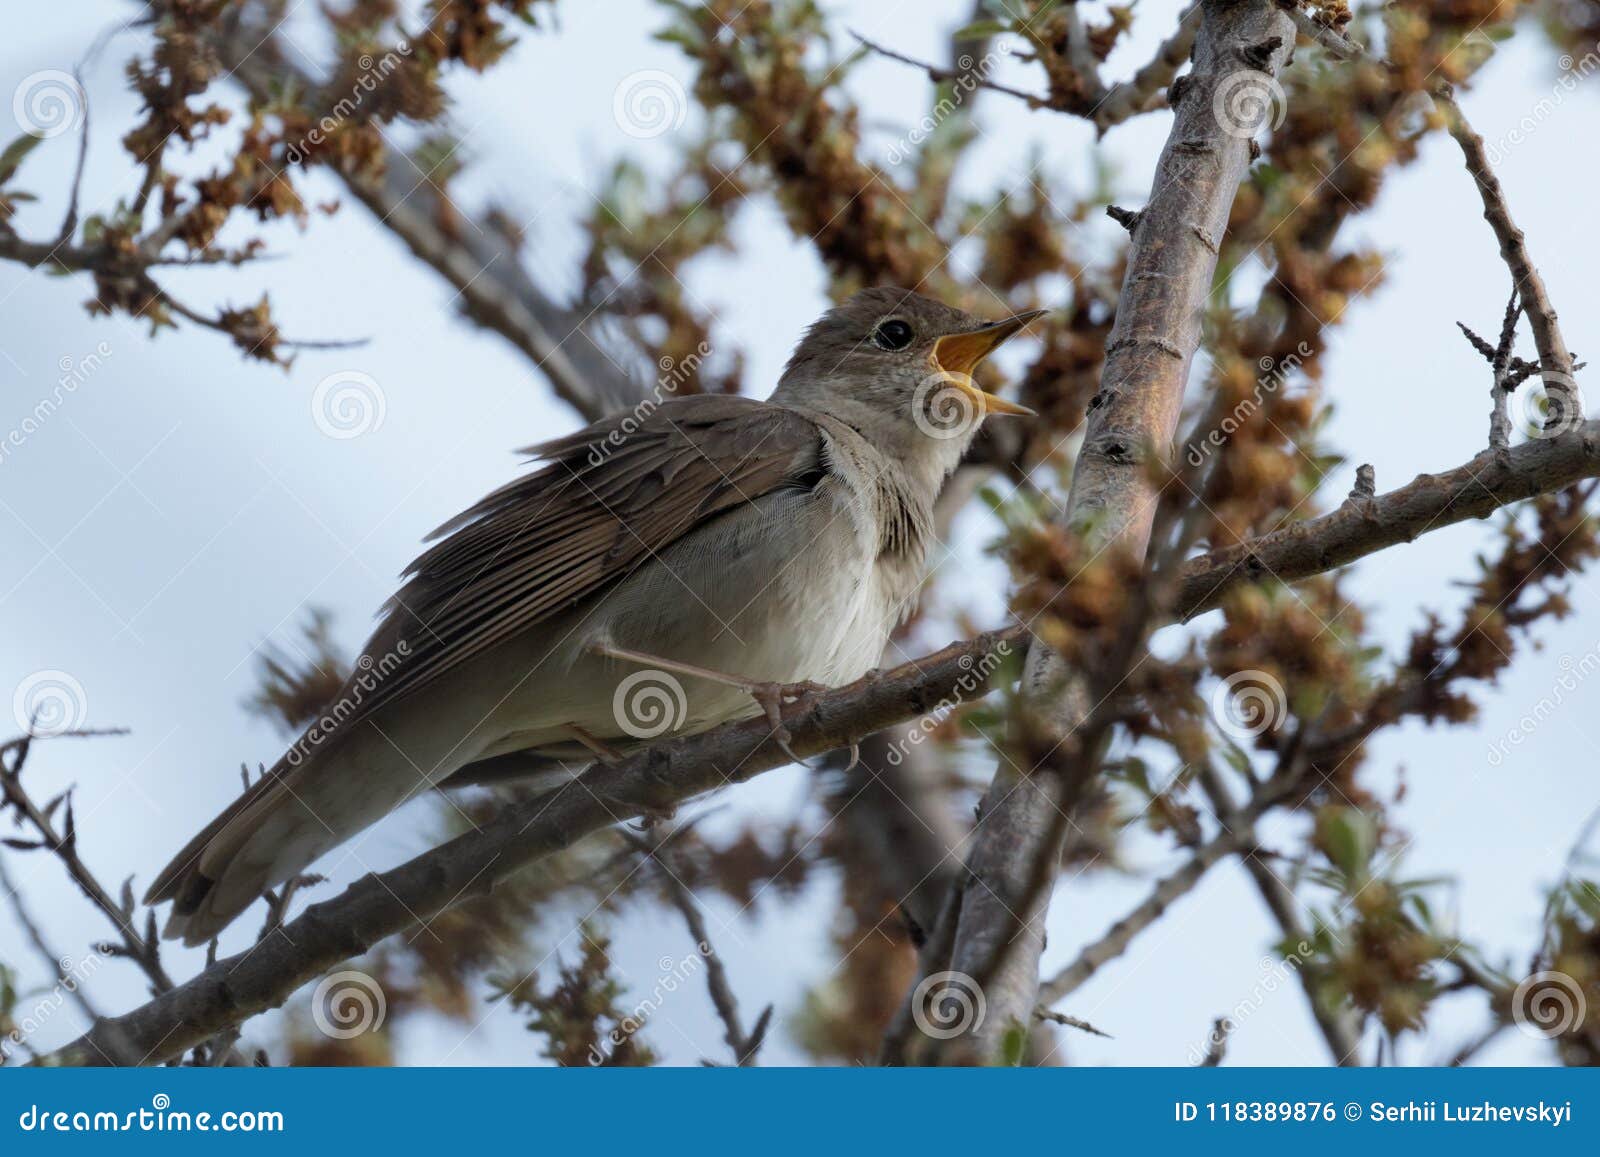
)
(183, 508)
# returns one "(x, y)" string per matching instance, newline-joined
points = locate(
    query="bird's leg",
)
(770, 697)
(596, 746)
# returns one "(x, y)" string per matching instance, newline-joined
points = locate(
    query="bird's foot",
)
(772, 697)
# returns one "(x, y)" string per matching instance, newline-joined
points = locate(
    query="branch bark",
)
(1171, 260)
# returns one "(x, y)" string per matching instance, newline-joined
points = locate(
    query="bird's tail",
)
(264, 837)
(294, 814)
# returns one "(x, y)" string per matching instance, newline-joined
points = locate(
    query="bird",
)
(695, 560)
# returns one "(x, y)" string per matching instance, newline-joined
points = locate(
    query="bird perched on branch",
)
(667, 570)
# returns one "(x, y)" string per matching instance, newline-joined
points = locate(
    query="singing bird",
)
(723, 548)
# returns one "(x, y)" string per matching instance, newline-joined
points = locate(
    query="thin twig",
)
(58, 963)
(744, 1046)
(1555, 358)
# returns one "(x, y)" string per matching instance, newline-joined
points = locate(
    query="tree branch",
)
(1555, 359)
(479, 259)
(1171, 260)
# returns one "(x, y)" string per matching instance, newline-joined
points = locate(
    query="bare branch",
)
(58, 963)
(744, 1046)
(143, 950)
(1555, 359)
(1141, 92)
(479, 259)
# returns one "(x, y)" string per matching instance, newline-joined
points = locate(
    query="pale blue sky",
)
(183, 507)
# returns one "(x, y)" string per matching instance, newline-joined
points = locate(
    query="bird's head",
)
(898, 367)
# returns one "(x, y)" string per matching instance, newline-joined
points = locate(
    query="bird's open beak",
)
(958, 354)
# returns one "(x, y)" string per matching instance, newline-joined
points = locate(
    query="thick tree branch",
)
(1358, 528)
(1171, 260)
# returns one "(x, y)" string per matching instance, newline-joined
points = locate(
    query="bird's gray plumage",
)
(776, 541)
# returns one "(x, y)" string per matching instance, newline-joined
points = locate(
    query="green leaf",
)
(15, 153)
(1349, 836)
(979, 29)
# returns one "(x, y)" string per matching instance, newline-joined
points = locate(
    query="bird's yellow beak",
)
(956, 355)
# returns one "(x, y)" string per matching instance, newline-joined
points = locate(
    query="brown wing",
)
(612, 496)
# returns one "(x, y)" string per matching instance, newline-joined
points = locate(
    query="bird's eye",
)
(893, 334)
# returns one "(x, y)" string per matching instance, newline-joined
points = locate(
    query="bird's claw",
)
(772, 698)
